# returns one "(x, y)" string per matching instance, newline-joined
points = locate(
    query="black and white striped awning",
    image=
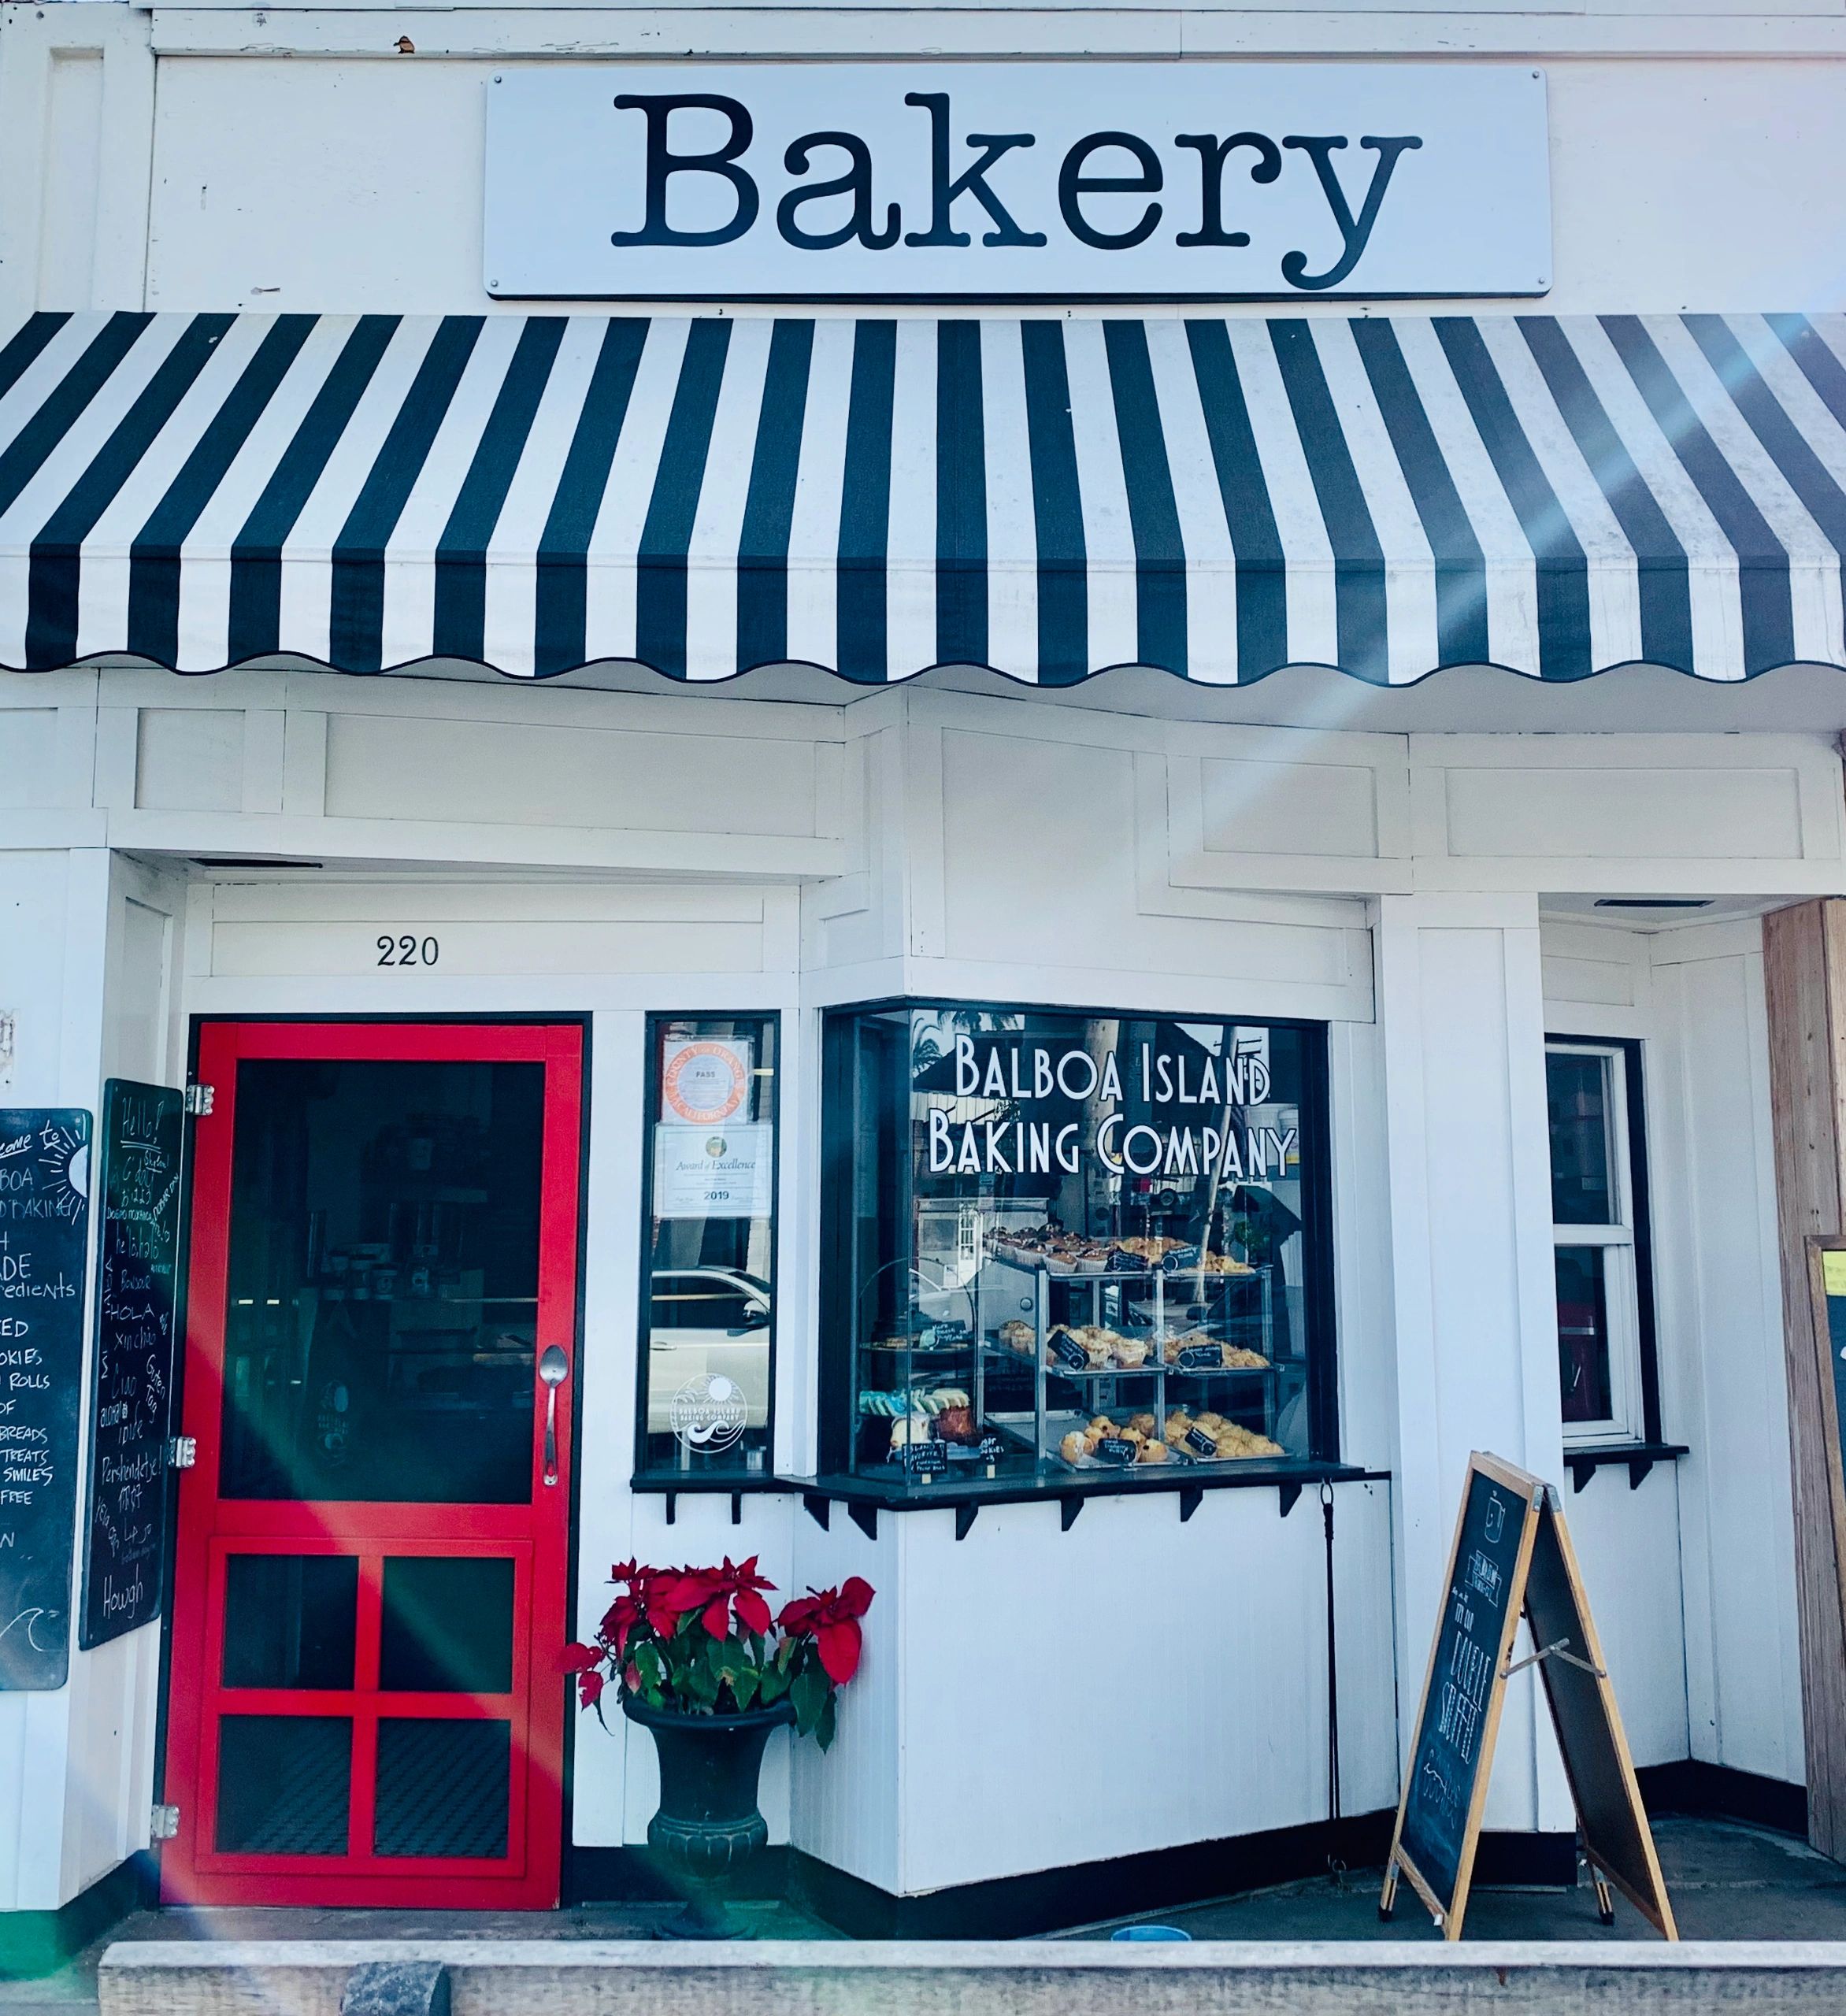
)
(1049, 497)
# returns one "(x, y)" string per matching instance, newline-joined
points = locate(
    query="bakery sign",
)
(897, 181)
(1172, 1111)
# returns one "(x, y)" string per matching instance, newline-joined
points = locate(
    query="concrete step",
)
(595, 1977)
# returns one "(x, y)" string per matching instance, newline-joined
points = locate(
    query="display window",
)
(708, 1295)
(1063, 1244)
(1607, 1382)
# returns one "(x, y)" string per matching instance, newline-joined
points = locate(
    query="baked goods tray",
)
(1062, 1269)
(1060, 1370)
(1058, 1425)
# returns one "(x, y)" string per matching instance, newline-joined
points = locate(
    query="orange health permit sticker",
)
(705, 1081)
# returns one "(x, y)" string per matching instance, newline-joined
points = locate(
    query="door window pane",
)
(443, 1788)
(284, 1784)
(1577, 1089)
(289, 1620)
(382, 1282)
(1583, 1333)
(710, 1238)
(447, 1625)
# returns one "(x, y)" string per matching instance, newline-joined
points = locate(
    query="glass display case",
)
(1061, 1243)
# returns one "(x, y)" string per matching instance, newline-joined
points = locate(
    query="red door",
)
(368, 1600)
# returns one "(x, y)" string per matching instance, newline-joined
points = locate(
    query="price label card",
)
(1201, 1358)
(925, 1458)
(1112, 1449)
(1200, 1443)
(1069, 1351)
(1181, 1260)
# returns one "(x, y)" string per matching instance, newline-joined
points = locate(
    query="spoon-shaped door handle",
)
(552, 1367)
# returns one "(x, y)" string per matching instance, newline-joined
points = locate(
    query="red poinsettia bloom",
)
(831, 1618)
(735, 1590)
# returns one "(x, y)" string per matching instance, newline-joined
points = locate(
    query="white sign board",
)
(715, 1173)
(1016, 181)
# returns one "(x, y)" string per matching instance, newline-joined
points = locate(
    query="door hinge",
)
(163, 1823)
(182, 1451)
(198, 1099)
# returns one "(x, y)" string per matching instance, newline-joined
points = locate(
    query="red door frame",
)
(536, 1535)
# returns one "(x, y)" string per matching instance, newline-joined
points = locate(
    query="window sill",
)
(1640, 1458)
(865, 1499)
(745, 1483)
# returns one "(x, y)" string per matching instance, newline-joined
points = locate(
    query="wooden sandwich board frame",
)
(1544, 1512)
(1831, 1379)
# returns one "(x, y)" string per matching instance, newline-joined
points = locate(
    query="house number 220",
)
(408, 952)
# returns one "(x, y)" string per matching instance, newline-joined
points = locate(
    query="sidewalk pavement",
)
(1727, 1881)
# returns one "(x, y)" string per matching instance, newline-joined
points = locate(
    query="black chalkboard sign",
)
(1616, 1840)
(138, 1151)
(44, 1245)
(1512, 1559)
(1451, 1751)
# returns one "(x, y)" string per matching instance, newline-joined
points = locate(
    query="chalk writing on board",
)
(44, 1226)
(140, 1149)
(1446, 1758)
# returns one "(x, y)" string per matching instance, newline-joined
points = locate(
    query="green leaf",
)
(743, 1686)
(824, 1727)
(772, 1684)
(808, 1690)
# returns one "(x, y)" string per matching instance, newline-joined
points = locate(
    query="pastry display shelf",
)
(881, 1351)
(1057, 1368)
(1146, 1316)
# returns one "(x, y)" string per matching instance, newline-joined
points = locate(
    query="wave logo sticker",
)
(709, 1413)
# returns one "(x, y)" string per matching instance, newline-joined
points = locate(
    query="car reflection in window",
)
(707, 1320)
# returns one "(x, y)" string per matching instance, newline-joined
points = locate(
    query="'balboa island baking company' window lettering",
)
(1021, 1146)
(1208, 178)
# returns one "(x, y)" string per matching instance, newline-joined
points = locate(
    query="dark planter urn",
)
(708, 1829)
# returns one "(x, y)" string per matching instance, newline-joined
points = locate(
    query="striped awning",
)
(1049, 497)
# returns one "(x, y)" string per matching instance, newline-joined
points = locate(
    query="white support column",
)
(1462, 1009)
(86, 959)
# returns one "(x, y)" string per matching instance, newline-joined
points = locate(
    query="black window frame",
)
(835, 1362)
(644, 1478)
(1631, 1050)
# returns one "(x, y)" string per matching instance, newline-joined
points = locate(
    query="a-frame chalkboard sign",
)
(1512, 1559)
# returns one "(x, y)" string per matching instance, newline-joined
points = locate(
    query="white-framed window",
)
(1599, 1236)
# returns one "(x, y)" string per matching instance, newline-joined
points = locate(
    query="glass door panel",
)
(384, 1282)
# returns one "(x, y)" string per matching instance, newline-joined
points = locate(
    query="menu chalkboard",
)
(137, 1277)
(44, 1244)
(1452, 1750)
(1512, 1559)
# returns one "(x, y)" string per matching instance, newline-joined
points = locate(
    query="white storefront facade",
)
(1426, 678)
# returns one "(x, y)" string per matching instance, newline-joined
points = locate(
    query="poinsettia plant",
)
(703, 1641)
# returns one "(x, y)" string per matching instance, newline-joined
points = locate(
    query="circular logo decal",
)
(709, 1413)
(705, 1082)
